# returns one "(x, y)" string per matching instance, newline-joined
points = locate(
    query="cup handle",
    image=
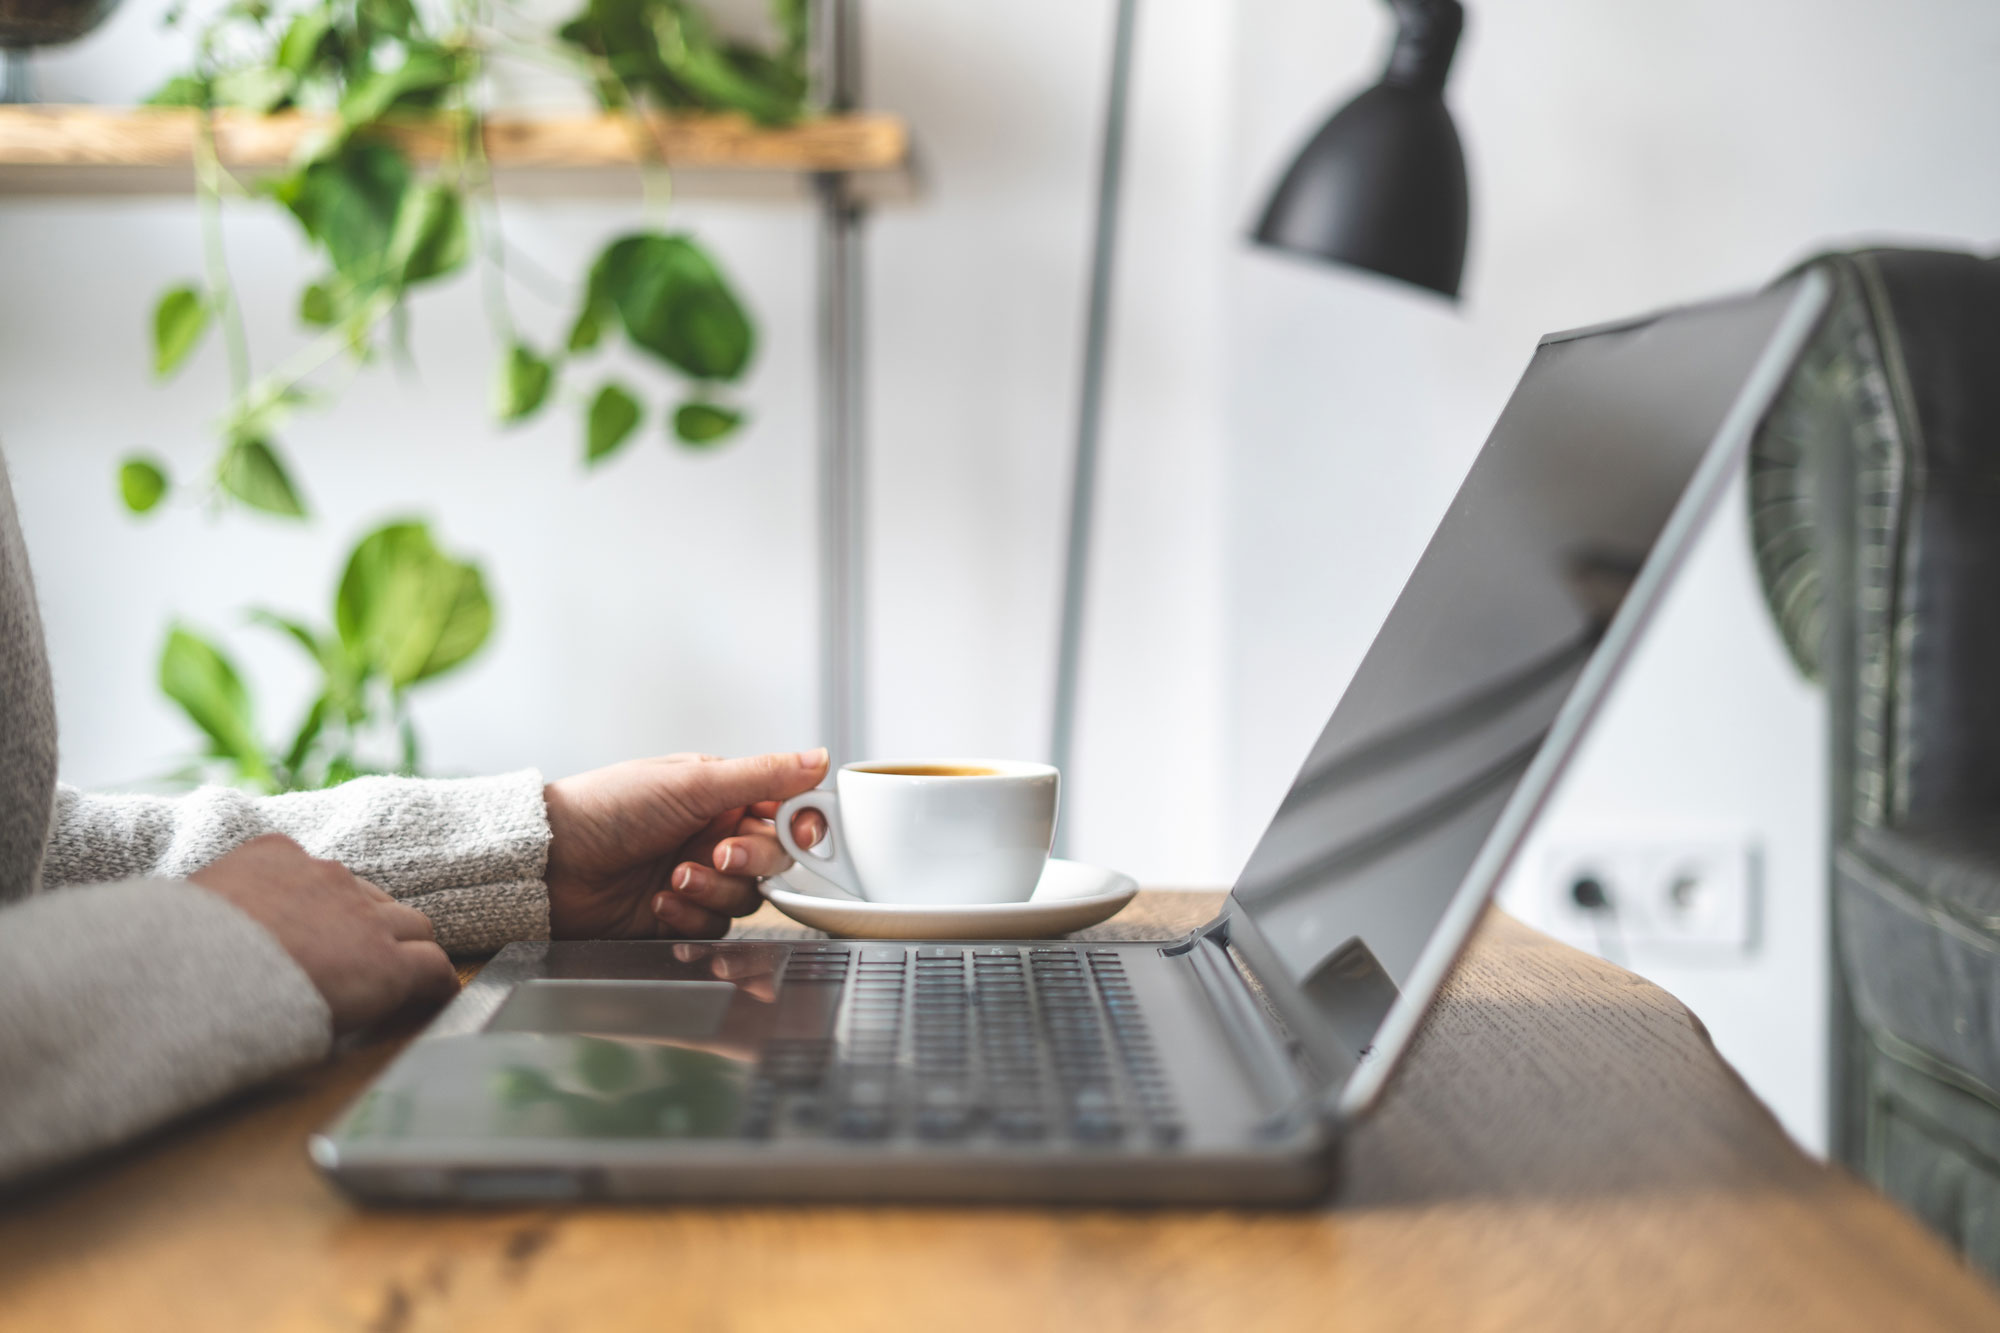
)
(834, 865)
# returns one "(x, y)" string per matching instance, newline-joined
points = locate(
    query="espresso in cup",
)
(931, 770)
(932, 831)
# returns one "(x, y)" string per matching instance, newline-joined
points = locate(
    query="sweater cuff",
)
(124, 1005)
(467, 852)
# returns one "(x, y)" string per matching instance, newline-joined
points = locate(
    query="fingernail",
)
(660, 904)
(684, 878)
(812, 758)
(729, 856)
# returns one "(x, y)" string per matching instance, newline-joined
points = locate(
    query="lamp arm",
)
(1427, 33)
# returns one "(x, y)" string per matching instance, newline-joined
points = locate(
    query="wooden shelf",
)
(80, 150)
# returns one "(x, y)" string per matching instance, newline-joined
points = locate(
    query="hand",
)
(367, 954)
(673, 847)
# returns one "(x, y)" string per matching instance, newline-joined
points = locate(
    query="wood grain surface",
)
(1562, 1149)
(83, 149)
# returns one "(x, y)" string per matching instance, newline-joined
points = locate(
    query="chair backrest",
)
(1875, 511)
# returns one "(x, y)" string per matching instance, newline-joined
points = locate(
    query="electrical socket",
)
(1696, 898)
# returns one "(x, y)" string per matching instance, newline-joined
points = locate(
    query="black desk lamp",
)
(1380, 187)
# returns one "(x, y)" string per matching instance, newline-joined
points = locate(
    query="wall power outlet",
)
(1694, 898)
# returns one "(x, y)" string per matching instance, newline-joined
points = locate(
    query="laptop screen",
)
(1518, 589)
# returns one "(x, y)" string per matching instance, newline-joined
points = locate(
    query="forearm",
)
(124, 1005)
(468, 853)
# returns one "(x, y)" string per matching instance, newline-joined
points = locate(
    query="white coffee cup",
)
(932, 831)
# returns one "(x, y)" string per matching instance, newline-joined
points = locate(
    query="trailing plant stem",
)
(272, 387)
(221, 289)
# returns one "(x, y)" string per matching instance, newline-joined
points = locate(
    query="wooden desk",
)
(1563, 1149)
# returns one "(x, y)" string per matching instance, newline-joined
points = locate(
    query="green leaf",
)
(197, 676)
(724, 78)
(408, 610)
(598, 307)
(431, 238)
(180, 90)
(614, 415)
(299, 49)
(587, 332)
(395, 18)
(294, 630)
(674, 302)
(424, 71)
(349, 204)
(670, 50)
(142, 483)
(179, 320)
(259, 88)
(308, 732)
(699, 423)
(317, 306)
(252, 473)
(792, 18)
(523, 385)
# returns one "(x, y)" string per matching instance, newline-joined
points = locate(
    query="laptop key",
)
(944, 1123)
(1097, 1127)
(862, 1122)
(1020, 1124)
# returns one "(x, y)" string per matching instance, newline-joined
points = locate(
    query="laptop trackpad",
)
(685, 1010)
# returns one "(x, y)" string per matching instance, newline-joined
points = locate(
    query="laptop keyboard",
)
(942, 1044)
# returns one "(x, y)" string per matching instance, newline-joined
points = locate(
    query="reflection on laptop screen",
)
(1515, 591)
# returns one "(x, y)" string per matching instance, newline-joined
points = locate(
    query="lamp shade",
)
(1382, 185)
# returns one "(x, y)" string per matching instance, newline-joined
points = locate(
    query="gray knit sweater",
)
(127, 994)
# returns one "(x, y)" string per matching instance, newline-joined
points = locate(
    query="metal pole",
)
(841, 458)
(17, 83)
(1090, 400)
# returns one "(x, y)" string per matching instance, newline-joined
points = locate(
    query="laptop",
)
(1218, 1068)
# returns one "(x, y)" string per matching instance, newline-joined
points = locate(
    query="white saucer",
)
(1070, 896)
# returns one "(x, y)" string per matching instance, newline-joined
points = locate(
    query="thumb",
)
(728, 784)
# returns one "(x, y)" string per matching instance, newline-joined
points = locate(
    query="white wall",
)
(1622, 157)
(666, 602)
(1282, 437)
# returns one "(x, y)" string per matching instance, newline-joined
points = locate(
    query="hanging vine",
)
(381, 228)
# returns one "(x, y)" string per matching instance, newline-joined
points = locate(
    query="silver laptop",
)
(1217, 1068)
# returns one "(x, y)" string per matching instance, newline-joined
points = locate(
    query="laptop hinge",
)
(1249, 1032)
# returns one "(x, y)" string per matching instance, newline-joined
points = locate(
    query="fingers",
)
(682, 916)
(432, 979)
(808, 827)
(732, 783)
(731, 895)
(701, 846)
(405, 923)
(754, 851)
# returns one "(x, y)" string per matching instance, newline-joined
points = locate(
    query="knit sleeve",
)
(468, 853)
(124, 1005)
